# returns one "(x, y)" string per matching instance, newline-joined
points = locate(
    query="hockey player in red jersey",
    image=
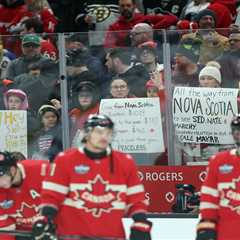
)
(20, 187)
(220, 194)
(90, 190)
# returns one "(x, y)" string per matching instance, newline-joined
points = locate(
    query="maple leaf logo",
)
(97, 198)
(231, 196)
(25, 214)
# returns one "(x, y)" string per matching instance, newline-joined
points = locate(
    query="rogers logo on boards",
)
(161, 176)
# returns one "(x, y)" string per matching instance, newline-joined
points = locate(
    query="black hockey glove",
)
(44, 228)
(141, 228)
(206, 230)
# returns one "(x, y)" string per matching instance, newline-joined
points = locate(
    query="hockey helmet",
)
(98, 120)
(6, 161)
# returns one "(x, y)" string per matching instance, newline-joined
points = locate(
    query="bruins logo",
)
(101, 13)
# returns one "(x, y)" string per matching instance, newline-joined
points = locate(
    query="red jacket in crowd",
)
(118, 31)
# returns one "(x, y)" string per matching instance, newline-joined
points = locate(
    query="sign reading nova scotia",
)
(203, 115)
(13, 128)
(138, 124)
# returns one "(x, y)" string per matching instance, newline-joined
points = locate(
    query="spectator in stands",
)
(119, 63)
(152, 89)
(230, 62)
(140, 33)
(78, 73)
(118, 32)
(66, 12)
(16, 99)
(225, 12)
(210, 75)
(33, 73)
(147, 54)
(185, 69)
(213, 43)
(156, 7)
(8, 11)
(35, 8)
(34, 25)
(77, 51)
(4, 62)
(95, 17)
(88, 103)
(119, 88)
(51, 128)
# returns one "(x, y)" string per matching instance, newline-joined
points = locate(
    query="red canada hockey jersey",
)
(19, 205)
(220, 194)
(91, 200)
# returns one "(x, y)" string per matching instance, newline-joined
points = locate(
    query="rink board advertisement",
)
(203, 115)
(138, 124)
(160, 183)
(13, 128)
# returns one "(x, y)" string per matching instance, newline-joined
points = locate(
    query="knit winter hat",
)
(150, 84)
(48, 108)
(222, 15)
(86, 86)
(189, 48)
(212, 70)
(19, 93)
(205, 12)
(150, 46)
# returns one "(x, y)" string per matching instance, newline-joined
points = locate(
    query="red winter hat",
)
(223, 15)
(150, 83)
(148, 44)
(19, 93)
(6, 82)
(185, 24)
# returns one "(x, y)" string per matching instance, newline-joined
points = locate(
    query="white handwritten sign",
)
(203, 115)
(13, 128)
(138, 124)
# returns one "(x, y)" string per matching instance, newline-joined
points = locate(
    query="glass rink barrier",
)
(171, 94)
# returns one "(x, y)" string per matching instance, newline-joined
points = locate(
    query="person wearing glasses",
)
(119, 88)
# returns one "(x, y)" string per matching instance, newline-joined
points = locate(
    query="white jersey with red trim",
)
(19, 205)
(90, 198)
(220, 194)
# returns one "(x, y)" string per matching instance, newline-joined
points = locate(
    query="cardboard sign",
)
(138, 124)
(13, 128)
(203, 115)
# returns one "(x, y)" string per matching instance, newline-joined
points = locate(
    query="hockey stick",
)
(19, 233)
